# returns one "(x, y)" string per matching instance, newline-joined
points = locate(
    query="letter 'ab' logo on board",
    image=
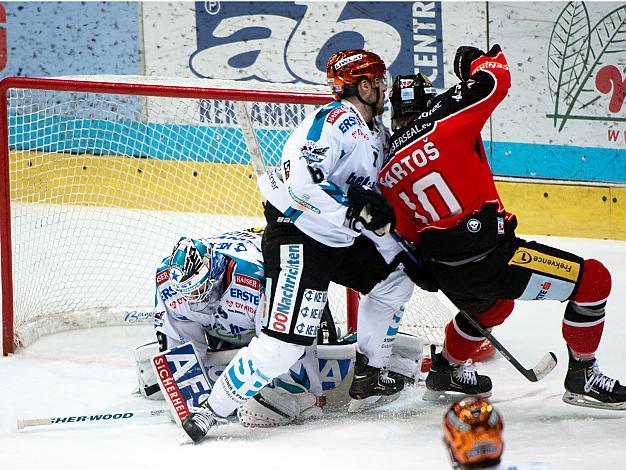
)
(290, 42)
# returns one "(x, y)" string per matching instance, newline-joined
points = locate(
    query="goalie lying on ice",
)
(208, 292)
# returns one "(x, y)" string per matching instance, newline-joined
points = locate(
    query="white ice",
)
(92, 370)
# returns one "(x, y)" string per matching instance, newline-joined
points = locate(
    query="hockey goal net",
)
(102, 175)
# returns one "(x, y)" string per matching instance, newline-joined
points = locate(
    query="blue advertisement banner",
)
(289, 42)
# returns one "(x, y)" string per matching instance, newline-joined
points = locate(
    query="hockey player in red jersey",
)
(438, 180)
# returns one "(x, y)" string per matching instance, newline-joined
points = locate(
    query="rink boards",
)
(191, 186)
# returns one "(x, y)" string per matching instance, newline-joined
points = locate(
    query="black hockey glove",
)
(371, 209)
(419, 273)
(463, 59)
(494, 50)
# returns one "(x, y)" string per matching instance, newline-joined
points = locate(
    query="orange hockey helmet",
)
(345, 68)
(472, 431)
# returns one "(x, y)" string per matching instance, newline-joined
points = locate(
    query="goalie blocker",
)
(184, 382)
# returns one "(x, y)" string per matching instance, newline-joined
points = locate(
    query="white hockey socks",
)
(380, 314)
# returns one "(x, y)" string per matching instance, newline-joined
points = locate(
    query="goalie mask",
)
(472, 431)
(411, 94)
(195, 269)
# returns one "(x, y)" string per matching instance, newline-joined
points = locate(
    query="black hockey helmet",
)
(410, 94)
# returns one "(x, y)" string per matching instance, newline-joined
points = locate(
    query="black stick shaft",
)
(528, 373)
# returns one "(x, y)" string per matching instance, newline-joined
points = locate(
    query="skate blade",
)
(587, 402)
(448, 396)
(369, 403)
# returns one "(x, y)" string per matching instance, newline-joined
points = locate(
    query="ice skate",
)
(586, 385)
(372, 386)
(199, 421)
(447, 380)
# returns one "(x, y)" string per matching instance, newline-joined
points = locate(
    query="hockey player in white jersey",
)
(472, 433)
(321, 213)
(208, 292)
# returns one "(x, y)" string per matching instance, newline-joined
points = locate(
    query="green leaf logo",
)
(577, 53)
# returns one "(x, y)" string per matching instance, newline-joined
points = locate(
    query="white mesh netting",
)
(102, 186)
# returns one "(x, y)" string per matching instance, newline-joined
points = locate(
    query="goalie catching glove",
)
(371, 209)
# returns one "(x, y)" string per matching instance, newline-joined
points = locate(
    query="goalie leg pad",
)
(146, 378)
(182, 379)
(281, 404)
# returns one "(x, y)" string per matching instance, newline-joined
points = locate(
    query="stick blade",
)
(544, 367)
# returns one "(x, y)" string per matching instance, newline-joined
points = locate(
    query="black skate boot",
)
(454, 379)
(372, 386)
(586, 386)
(199, 421)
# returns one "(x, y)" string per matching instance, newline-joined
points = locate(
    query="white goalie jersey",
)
(231, 314)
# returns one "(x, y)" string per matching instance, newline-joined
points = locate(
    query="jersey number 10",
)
(434, 182)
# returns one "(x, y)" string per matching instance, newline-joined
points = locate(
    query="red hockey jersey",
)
(437, 176)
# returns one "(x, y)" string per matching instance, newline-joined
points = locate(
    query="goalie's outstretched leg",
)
(250, 370)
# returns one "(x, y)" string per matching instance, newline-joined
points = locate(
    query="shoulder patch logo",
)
(335, 114)
(162, 277)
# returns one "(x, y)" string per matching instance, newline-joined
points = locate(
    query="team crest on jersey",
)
(473, 225)
(311, 153)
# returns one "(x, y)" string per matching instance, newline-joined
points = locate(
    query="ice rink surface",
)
(87, 371)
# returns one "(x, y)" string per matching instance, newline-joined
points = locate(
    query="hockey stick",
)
(538, 372)
(116, 417)
(251, 141)
(541, 369)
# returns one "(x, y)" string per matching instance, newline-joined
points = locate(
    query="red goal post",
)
(101, 175)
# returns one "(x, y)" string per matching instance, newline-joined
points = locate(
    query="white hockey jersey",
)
(330, 150)
(230, 315)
